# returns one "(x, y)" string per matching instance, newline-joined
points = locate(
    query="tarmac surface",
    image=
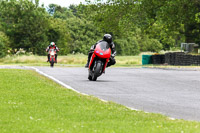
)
(172, 92)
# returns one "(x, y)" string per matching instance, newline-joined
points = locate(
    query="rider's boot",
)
(55, 58)
(87, 64)
(48, 58)
(88, 61)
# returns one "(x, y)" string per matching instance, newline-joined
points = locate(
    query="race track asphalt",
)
(174, 93)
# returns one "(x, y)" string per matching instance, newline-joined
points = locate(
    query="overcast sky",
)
(63, 3)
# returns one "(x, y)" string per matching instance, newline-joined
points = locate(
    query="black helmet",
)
(107, 38)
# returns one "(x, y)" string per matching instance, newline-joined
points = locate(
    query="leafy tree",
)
(136, 25)
(173, 15)
(124, 21)
(25, 23)
(84, 34)
(4, 44)
(82, 31)
(58, 33)
(169, 22)
(127, 46)
(117, 16)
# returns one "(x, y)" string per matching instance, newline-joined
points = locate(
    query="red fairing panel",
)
(92, 59)
(105, 64)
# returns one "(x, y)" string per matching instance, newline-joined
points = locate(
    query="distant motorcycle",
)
(99, 60)
(52, 53)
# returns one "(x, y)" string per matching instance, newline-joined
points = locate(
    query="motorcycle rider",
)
(108, 39)
(52, 46)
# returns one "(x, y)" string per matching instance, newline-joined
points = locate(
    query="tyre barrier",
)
(196, 60)
(158, 59)
(176, 58)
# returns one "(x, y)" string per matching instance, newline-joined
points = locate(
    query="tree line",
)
(136, 25)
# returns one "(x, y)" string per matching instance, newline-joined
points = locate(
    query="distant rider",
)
(52, 46)
(108, 39)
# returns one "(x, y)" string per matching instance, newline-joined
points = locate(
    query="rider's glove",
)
(113, 55)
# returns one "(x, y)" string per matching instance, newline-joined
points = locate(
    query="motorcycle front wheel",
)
(89, 76)
(52, 64)
(97, 70)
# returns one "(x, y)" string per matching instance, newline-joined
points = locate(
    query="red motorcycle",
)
(52, 53)
(99, 60)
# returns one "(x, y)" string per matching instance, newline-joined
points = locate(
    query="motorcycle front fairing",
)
(102, 52)
(52, 53)
(51, 50)
(92, 60)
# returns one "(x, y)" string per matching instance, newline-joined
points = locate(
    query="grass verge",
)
(69, 60)
(32, 103)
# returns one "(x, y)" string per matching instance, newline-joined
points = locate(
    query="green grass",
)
(79, 60)
(69, 60)
(32, 103)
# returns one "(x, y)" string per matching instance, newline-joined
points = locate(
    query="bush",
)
(128, 46)
(4, 43)
(147, 44)
(154, 45)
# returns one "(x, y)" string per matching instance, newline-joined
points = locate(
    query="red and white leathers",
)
(52, 47)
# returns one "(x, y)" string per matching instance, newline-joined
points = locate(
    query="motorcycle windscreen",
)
(52, 53)
(104, 45)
